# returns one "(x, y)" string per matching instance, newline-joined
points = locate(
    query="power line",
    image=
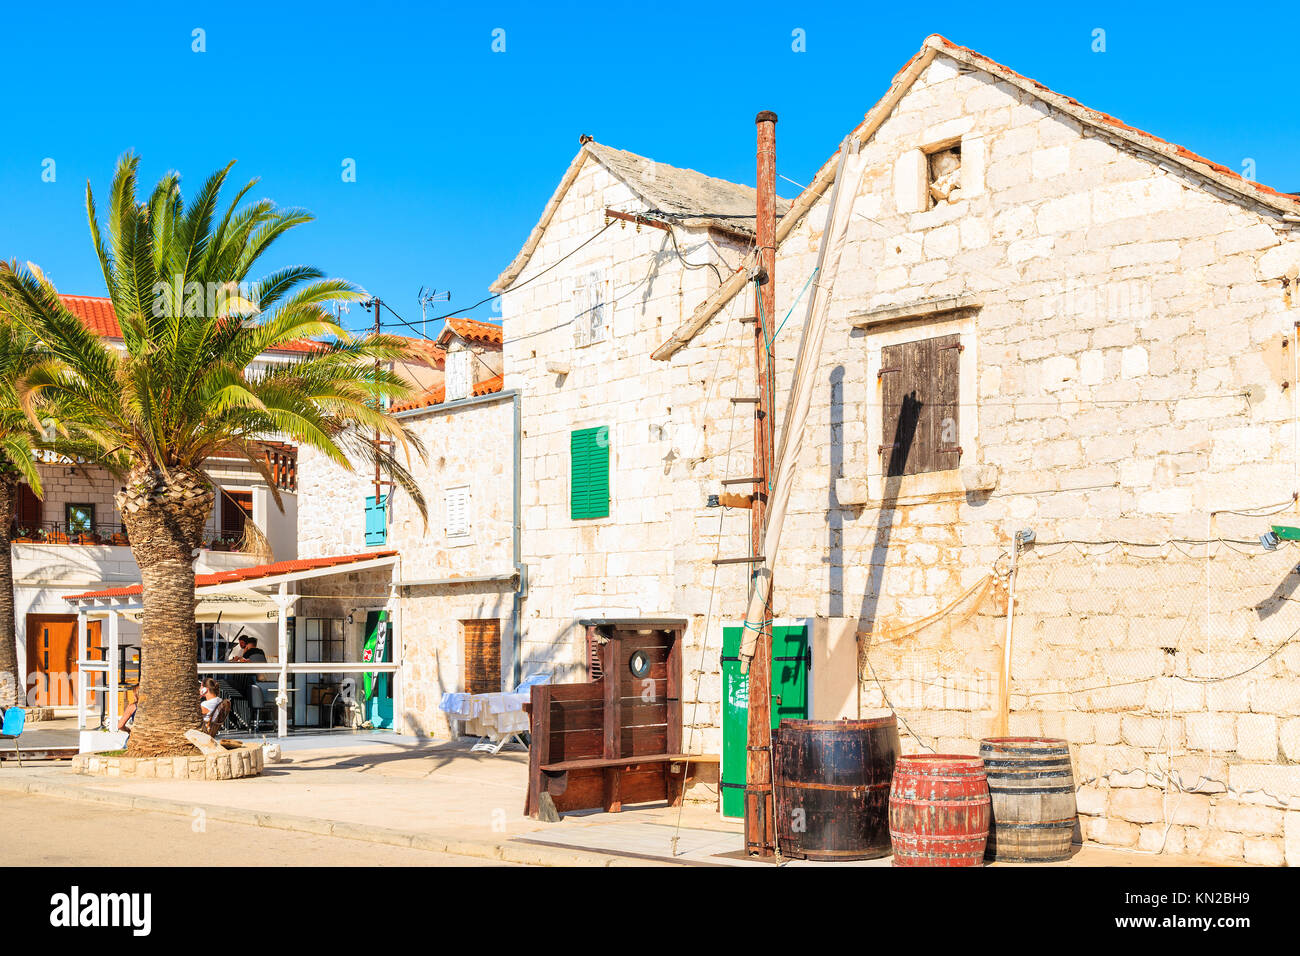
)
(520, 285)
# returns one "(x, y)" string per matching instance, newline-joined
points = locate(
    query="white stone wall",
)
(626, 565)
(1125, 374)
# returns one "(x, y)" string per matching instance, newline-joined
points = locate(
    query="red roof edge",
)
(254, 573)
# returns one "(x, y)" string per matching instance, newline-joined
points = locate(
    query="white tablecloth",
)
(487, 715)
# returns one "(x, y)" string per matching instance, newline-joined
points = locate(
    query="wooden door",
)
(482, 656)
(52, 655)
(236, 509)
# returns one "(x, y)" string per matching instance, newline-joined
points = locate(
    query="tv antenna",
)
(424, 297)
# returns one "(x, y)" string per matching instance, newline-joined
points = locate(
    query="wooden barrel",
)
(1032, 789)
(939, 810)
(832, 787)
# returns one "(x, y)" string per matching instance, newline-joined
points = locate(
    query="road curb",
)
(502, 852)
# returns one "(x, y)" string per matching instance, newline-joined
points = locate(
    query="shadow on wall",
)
(904, 436)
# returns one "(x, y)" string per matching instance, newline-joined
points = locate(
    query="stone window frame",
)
(906, 324)
(912, 169)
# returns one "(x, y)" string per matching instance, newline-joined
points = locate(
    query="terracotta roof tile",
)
(98, 315)
(472, 330)
(254, 573)
(438, 394)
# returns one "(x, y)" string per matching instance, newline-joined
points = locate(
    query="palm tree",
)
(182, 390)
(20, 439)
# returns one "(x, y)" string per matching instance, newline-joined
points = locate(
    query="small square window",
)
(80, 518)
(944, 170)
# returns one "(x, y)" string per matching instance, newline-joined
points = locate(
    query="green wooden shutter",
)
(790, 664)
(589, 474)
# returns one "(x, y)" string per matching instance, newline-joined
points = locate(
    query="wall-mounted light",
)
(1269, 541)
(1025, 536)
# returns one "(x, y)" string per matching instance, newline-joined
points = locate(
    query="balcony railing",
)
(60, 532)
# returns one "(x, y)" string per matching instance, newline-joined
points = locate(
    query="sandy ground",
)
(37, 830)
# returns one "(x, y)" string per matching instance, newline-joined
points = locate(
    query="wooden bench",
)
(616, 740)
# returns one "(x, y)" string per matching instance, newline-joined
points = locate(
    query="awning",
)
(236, 595)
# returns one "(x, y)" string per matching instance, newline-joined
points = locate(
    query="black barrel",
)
(832, 787)
(1032, 789)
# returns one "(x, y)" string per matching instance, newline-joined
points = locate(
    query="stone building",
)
(1046, 320)
(452, 595)
(613, 442)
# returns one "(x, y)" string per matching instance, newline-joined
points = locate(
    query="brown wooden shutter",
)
(901, 367)
(945, 403)
(920, 406)
(482, 656)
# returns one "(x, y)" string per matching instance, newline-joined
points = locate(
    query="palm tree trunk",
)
(11, 682)
(164, 514)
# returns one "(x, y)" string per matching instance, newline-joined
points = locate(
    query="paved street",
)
(47, 831)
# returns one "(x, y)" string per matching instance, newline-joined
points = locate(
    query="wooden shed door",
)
(482, 656)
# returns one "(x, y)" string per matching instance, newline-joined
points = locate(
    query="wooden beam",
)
(634, 218)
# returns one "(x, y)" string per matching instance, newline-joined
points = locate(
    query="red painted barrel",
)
(939, 810)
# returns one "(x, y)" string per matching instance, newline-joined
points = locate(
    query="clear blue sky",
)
(457, 148)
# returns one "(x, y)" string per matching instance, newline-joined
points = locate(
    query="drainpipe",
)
(521, 586)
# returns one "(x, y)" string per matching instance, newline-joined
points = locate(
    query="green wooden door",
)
(790, 663)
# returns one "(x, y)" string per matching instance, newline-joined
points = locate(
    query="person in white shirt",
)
(209, 701)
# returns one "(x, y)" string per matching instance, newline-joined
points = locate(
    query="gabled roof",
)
(1145, 143)
(471, 330)
(681, 196)
(96, 312)
(438, 394)
(239, 575)
(425, 352)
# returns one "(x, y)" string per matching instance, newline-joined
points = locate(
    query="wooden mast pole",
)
(759, 824)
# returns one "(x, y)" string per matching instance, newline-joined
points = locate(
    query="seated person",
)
(248, 653)
(209, 701)
(128, 716)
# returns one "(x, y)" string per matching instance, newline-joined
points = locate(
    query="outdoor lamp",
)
(1269, 540)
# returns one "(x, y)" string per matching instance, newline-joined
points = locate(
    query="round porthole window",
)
(639, 664)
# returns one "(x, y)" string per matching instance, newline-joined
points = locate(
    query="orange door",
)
(52, 655)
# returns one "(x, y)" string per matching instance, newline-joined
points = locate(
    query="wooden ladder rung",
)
(749, 560)
(745, 401)
(741, 481)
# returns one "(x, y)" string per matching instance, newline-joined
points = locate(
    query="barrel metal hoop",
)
(1049, 825)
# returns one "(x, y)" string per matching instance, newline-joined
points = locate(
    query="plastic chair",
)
(12, 728)
(257, 704)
